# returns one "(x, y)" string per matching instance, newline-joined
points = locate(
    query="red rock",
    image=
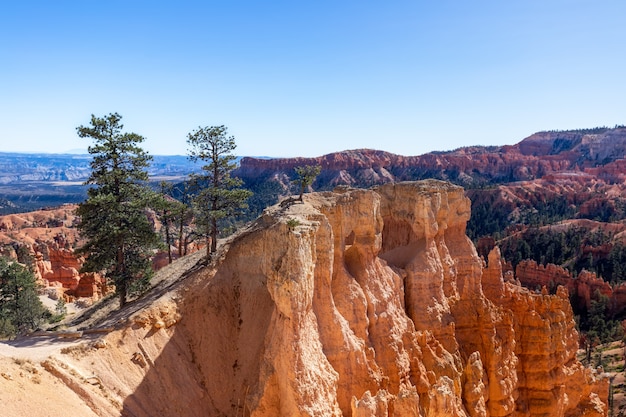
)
(51, 236)
(375, 303)
(584, 286)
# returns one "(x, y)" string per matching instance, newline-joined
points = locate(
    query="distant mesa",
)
(575, 154)
(598, 151)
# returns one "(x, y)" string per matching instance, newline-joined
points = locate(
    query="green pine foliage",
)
(574, 249)
(598, 326)
(21, 311)
(487, 219)
(120, 238)
(265, 193)
(305, 177)
(219, 195)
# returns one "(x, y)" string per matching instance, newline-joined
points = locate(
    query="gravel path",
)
(106, 313)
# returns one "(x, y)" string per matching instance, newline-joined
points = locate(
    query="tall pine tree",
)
(119, 236)
(220, 195)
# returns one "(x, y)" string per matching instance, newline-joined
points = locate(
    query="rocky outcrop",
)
(546, 344)
(588, 146)
(353, 303)
(58, 266)
(48, 237)
(367, 167)
(581, 288)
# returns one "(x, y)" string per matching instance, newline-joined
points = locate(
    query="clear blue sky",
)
(306, 78)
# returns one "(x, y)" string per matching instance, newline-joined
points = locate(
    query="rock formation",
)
(354, 303)
(598, 153)
(582, 288)
(58, 266)
(49, 237)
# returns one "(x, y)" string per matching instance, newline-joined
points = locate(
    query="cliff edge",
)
(353, 303)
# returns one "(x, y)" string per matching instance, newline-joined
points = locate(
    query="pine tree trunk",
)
(123, 293)
(167, 240)
(181, 239)
(213, 235)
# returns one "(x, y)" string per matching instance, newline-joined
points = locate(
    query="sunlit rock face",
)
(353, 303)
(371, 303)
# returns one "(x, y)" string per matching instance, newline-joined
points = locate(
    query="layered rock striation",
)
(581, 288)
(57, 266)
(48, 238)
(597, 153)
(353, 303)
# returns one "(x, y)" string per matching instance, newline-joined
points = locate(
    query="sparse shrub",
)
(60, 311)
(293, 223)
(305, 177)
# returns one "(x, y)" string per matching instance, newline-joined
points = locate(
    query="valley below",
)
(34, 181)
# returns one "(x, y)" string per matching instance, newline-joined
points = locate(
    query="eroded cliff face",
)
(354, 303)
(49, 238)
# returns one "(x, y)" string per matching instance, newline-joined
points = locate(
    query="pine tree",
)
(184, 217)
(306, 175)
(119, 236)
(21, 310)
(170, 212)
(220, 196)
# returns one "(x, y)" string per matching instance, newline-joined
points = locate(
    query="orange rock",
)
(374, 304)
(51, 236)
(377, 302)
(534, 276)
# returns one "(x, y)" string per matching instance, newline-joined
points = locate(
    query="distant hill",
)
(18, 168)
(598, 151)
(29, 181)
(583, 155)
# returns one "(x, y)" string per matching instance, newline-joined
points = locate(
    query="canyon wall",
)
(582, 287)
(596, 153)
(353, 303)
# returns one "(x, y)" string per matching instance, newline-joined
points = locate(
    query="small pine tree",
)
(305, 177)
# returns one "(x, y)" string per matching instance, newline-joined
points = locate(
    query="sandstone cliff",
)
(355, 303)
